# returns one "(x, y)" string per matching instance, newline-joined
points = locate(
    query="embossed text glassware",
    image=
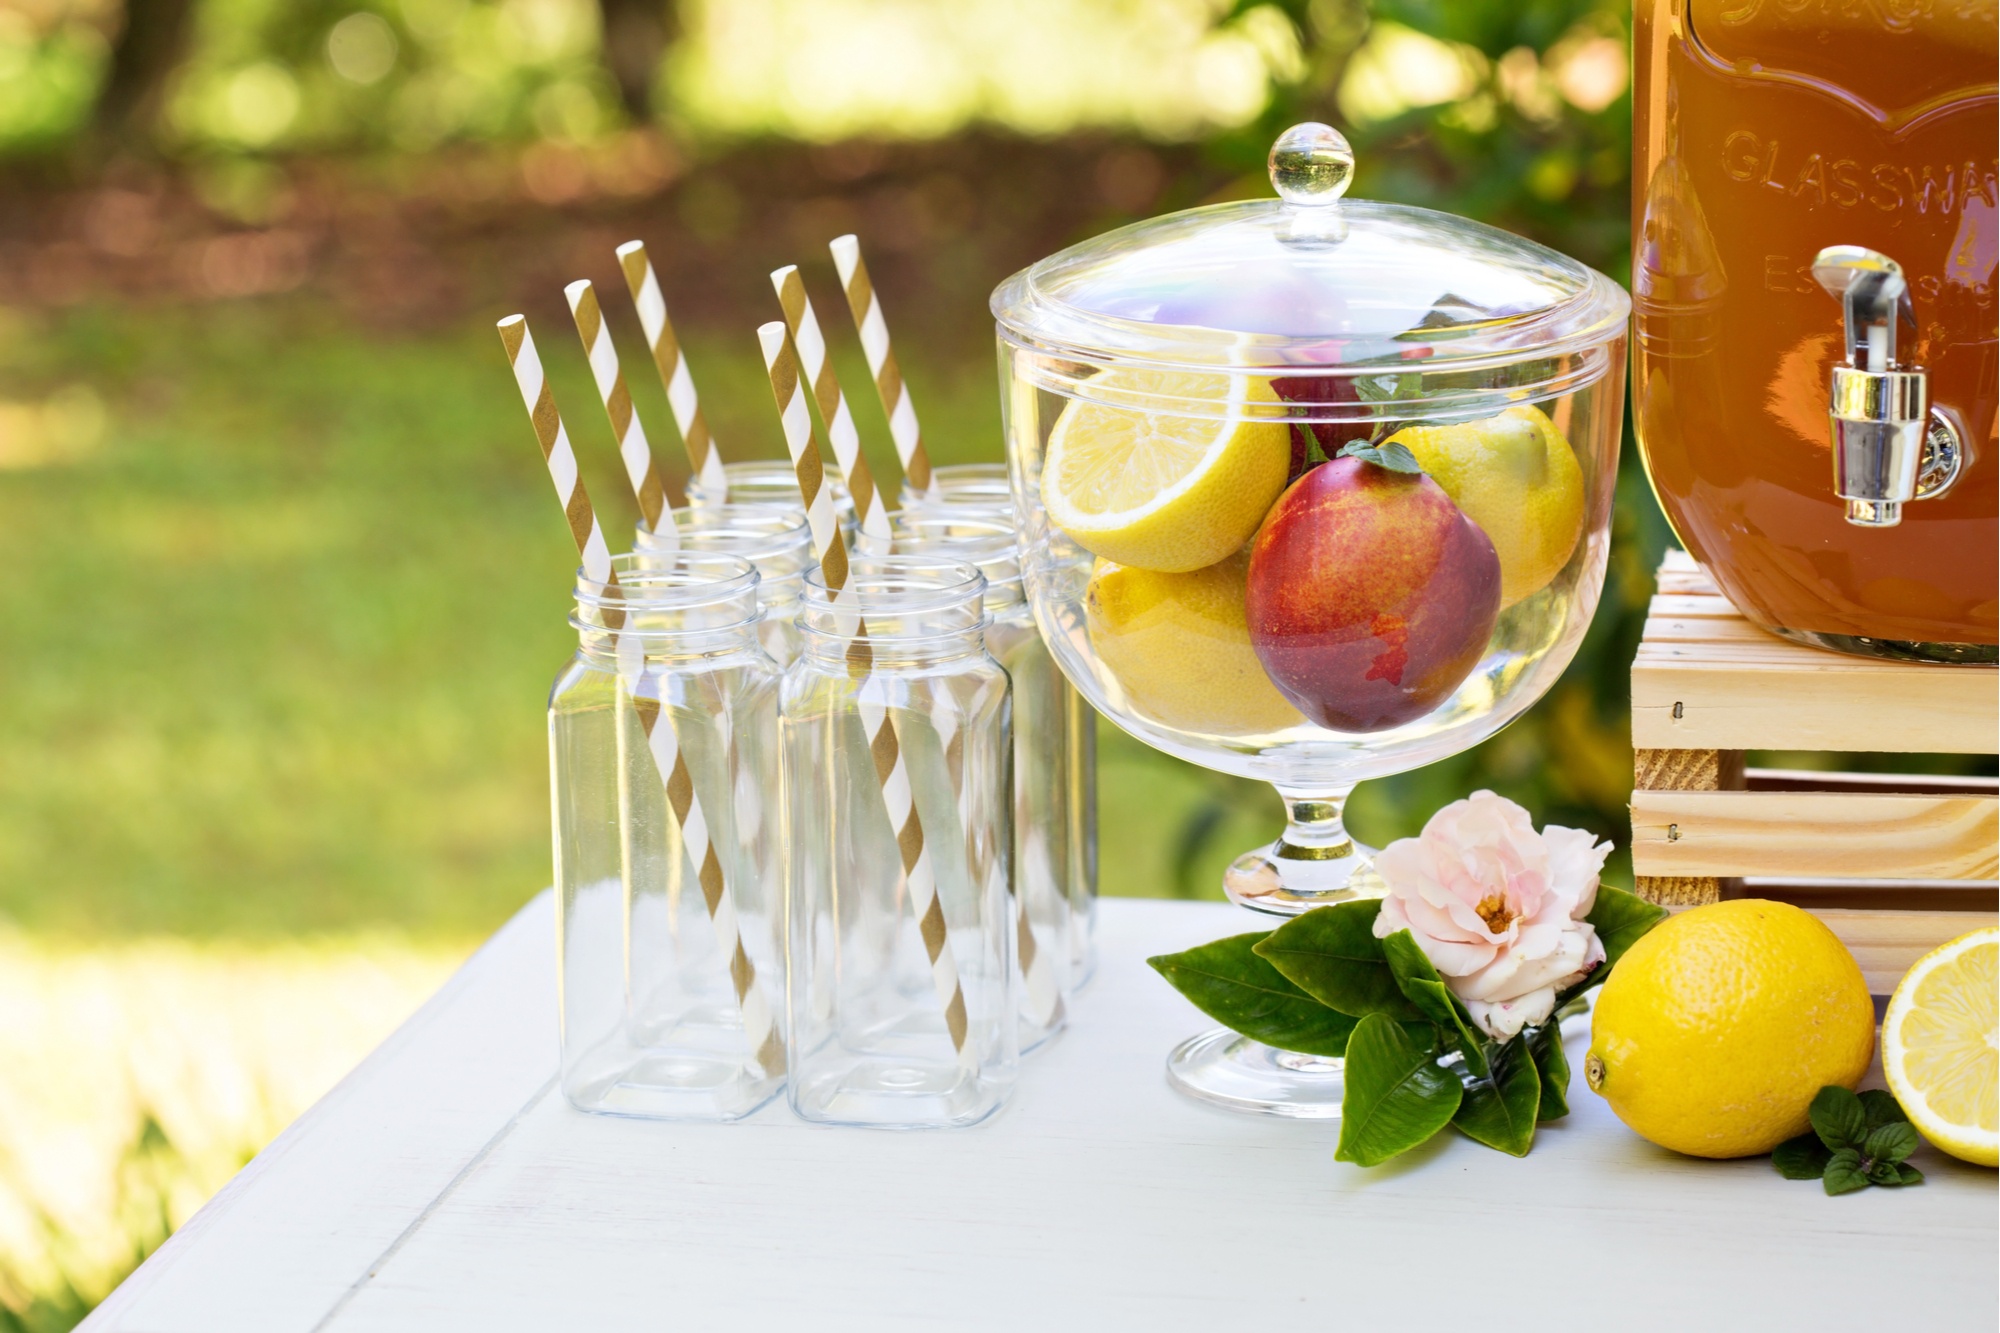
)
(900, 934)
(663, 745)
(1312, 490)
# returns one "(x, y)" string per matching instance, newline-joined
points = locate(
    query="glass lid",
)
(1315, 288)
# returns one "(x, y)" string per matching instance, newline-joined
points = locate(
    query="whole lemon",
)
(1518, 479)
(1721, 1023)
(1179, 647)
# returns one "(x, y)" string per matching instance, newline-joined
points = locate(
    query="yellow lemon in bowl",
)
(1518, 479)
(1941, 1046)
(1172, 472)
(1179, 647)
(1722, 1023)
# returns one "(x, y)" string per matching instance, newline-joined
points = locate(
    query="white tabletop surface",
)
(445, 1185)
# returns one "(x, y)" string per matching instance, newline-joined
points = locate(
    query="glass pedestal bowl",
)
(1211, 585)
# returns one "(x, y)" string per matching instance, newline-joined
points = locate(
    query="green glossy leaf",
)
(1908, 1175)
(1843, 1173)
(1421, 985)
(1890, 1143)
(1838, 1119)
(1802, 1158)
(1389, 454)
(1228, 981)
(1502, 1113)
(1552, 1063)
(1882, 1108)
(1331, 953)
(1396, 1095)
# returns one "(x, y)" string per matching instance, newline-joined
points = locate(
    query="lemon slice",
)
(1941, 1046)
(1148, 486)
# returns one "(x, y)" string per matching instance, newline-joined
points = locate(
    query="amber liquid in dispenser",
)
(1767, 130)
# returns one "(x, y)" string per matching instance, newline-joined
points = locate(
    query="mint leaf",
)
(1882, 1108)
(1843, 1172)
(1802, 1158)
(1501, 1113)
(1552, 1063)
(1389, 454)
(1908, 1175)
(1838, 1119)
(1331, 953)
(1890, 1143)
(1228, 981)
(1396, 1096)
(1420, 983)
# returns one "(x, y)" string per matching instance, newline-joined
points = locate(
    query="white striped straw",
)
(870, 510)
(884, 735)
(758, 1024)
(703, 455)
(869, 322)
(651, 485)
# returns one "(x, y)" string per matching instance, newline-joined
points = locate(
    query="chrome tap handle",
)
(1890, 446)
(1874, 294)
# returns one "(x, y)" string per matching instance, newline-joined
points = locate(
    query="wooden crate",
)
(1895, 864)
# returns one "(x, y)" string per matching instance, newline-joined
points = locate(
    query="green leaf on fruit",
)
(1420, 983)
(1501, 1112)
(1396, 1096)
(1230, 983)
(1390, 455)
(1552, 1063)
(1331, 953)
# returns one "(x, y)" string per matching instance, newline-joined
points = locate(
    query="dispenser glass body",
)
(1766, 132)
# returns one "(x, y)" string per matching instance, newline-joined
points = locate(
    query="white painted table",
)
(446, 1185)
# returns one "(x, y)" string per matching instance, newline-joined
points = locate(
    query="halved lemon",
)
(1176, 480)
(1941, 1046)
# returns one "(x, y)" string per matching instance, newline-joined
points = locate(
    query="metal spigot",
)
(1890, 446)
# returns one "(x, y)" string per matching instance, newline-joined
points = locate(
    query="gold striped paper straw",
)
(870, 512)
(703, 455)
(869, 322)
(759, 1026)
(884, 736)
(655, 490)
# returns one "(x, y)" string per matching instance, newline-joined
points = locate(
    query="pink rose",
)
(1496, 907)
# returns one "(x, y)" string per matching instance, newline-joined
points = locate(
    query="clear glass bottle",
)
(900, 931)
(663, 746)
(766, 481)
(1042, 861)
(962, 486)
(984, 490)
(773, 538)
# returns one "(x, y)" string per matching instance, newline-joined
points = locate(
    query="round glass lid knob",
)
(1311, 165)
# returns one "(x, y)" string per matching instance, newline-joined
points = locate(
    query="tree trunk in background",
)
(636, 34)
(149, 45)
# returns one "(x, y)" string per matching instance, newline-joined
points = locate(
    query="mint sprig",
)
(1856, 1141)
(1389, 454)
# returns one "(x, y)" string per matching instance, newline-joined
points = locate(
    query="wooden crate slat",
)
(1886, 943)
(1845, 834)
(1751, 706)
